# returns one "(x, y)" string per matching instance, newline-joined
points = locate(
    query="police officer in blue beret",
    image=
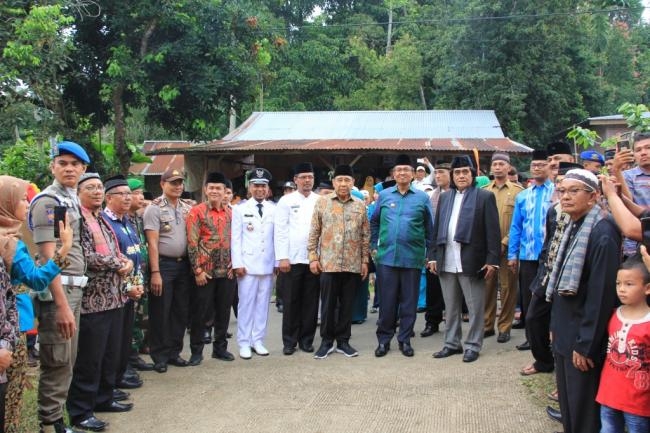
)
(592, 161)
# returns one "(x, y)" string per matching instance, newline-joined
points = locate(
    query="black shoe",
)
(406, 349)
(421, 309)
(523, 346)
(114, 406)
(160, 367)
(324, 350)
(429, 330)
(228, 334)
(207, 336)
(346, 350)
(142, 365)
(223, 355)
(446, 352)
(178, 362)
(382, 350)
(554, 414)
(91, 423)
(129, 383)
(59, 427)
(306, 348)
(465, 317)
(131, 374)
(503, 337)
(119, 395)
(488, 333)
(289, 350)
(280, 308)
(373, 310)
(195, 360)
(470, 355)
(518, 324)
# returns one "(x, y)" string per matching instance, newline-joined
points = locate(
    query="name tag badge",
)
(250, 227)
(392, 205)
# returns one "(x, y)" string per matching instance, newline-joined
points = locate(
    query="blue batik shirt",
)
(528, 227)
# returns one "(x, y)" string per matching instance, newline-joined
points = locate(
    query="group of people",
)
(553, 247)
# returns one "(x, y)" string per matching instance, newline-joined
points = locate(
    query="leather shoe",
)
(178, 362)
(488, 333)
(554, 414)
(129, 383)
(160, 367)
(288, 350)
(406, 349)
(518, 324)
(119, 395)
(309, 348)
(114, 406)
(207, 336)
(470, 355)
(429, 330)
(503, 337)
(382, 350)
(142, 365)
(523, 346)
(447, 352)
(195, 360)
(223, 355)
(91, 423)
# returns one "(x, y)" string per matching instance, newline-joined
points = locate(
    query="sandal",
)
(528, 370)
(553, 396)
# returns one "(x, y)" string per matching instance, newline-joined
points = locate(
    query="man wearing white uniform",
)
(253, 260)
(292, 222)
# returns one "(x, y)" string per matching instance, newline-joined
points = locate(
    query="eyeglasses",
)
(538, 164)
(572, 192)
(93, 188)
(124, 194)
(403, 170)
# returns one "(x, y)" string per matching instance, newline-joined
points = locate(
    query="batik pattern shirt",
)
(528, 227)
(208, 239)
(340, 235)
(8, 315)
(638, 182)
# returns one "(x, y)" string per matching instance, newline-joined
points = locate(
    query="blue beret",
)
(70, 148)
(592, 155)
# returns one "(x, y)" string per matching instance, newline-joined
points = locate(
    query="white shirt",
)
(292, 223)
(452, 251)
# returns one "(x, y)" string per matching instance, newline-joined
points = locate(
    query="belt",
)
(175, 259)
(73, 280)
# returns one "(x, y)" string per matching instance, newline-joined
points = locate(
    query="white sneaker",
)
(260, 349)
(245, 353)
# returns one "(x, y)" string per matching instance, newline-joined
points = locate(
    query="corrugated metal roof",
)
(350, 125)
(160, 163)
(615, 117)
(348, 146)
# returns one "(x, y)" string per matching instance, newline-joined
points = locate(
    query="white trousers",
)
(253, 309)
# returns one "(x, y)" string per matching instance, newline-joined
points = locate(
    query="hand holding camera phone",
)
(59, 216)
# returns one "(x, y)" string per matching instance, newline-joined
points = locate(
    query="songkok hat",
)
(442, 165)
(114, 182)
(304, 167)
(215, 177)
(501, 157)
(87, 176)
(540, 155)
(564, 167)
(343, 170)
(402, 159)
(558, 148)
(461, 161)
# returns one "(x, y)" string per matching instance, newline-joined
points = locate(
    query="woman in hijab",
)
(17, 267)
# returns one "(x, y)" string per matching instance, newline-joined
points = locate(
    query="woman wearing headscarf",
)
(17, 267)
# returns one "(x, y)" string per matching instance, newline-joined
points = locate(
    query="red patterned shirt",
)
(208, 239)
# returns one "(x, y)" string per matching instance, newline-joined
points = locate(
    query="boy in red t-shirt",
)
(624, 391)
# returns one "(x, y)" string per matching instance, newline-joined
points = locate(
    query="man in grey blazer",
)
(466, 248)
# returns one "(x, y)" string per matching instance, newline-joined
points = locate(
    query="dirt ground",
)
(298, 393)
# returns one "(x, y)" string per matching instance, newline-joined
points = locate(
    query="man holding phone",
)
(60, 307)
(466, 251)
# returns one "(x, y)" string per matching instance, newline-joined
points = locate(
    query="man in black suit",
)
(466, 249)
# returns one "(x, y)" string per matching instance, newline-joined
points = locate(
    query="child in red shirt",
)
(624, 390)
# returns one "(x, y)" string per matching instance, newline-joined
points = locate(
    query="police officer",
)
(253, 260)
(60, 307)
(171, 276)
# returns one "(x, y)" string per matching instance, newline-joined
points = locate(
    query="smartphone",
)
(625, 144)
(59, 215)
(481, 273)
(645, 229)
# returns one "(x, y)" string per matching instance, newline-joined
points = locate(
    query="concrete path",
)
(296, 394)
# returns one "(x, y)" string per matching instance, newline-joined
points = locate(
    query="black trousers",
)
(577, 391)
(435, 304)
(281, 282)
(218, 295)
(300, 316)
(94, 374)
(538, 324)
(126, 351)
(400, 287)
(527, 272)
(3, 395)
(338, 290)
(168, 313)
